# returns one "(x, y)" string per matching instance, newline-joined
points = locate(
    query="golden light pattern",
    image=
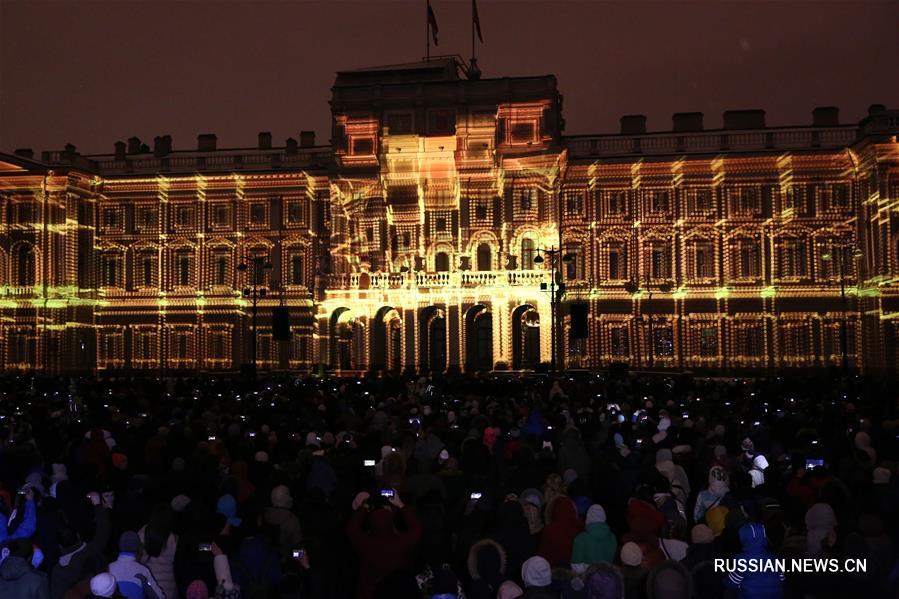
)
(410, 241)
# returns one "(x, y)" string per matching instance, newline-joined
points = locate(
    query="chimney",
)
(826, 116)
(134, 145)
(70, 149)
(307, 139)
(162, 146)
(290, 146)
(206, 142)
(265, 140)
(875, 109)
(24, 152)
(744, 119)
(686, 121)
(633, 124)
(120, 150)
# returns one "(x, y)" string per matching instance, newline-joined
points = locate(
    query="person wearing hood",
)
(79, 560)
(18, 578)
(669, 580)
(509, 590)
(821, 527)
(699, 561)
(513, 533)
(133, 579)
(486, 568)
(227, 507)
(644, 526)
(382, 548)
(755, 585)
(160, 543)
(563, 525)
(632, 571)
(603, 581)
(676, 475)
(22, 522)
(537, 576)
(280, 515)
(719, 487)
(597, 543)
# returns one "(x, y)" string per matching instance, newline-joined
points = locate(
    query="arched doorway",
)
(479, 339)
(432, 333)
(525, 337)
(387, 340)
(343, 334)
(485, 257)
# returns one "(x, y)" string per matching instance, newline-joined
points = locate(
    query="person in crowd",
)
(79, 561)
(279, 515)
(537, 576)
(764, 584)
(18, 578)
(133, 579)
(597, 543)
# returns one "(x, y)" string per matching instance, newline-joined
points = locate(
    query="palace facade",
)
(426, 234)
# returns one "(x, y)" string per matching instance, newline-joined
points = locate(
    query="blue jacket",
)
(26, 527)
(756, 585)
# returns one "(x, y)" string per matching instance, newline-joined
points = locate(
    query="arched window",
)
(528, 253)
(296, 268)
(485, 258)
(441, 262)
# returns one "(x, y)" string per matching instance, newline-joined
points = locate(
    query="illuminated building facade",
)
(410, 240)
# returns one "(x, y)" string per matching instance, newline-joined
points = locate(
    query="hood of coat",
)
(486, 560)
(752, 538)
(13, 568)
(598, 530)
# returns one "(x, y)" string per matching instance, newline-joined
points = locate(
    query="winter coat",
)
(163, 565)
(513, 533)
(755, 585)
(82, 562)
(596, 544)
(487, 568)
(382, 549)
(257, 563)
(290, 536)
(27, 524)
(133, 579)
(669, 580)
(18, 579)
(557, 539)
(603, 581)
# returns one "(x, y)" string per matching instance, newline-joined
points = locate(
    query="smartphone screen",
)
(368, 463)
(298, 554)
(205, 547)
(812, 464)
(476, 495)
(387, 493)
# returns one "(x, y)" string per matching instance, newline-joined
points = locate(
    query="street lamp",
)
(840, 264)
(255, 291)
(556, 290)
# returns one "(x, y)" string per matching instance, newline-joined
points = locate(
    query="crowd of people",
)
(585, 485)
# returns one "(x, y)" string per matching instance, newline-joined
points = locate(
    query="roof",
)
(440, 69)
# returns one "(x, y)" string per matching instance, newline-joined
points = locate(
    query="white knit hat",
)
(103, 585)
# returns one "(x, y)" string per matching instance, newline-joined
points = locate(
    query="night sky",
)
(91, 73)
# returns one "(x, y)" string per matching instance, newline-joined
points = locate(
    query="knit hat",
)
(180, 502)
(882, 475)
(701, 534)
(281, 497)
(227, 507)
(595, 514)
(261, 457)
(664, 424)
(631, 554)
(59, 473)
(386, 450)
(197, 590)
(103, 585)
(535, 572)
(532, 496)
(129, 542)
(509, 590)
(748, 446)
(820, 516)
(313, 439)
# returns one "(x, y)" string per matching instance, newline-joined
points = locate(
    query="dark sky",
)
(91, 73)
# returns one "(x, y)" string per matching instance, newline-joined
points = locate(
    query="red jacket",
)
(382, 548)
(557, 540)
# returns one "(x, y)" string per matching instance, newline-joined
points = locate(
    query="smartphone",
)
(298, 553)
(204, 547)
(812, 464)
(368, 463)
(476, 495)
(387, 493)
(251, 433)
(639, 442)
(211, 438)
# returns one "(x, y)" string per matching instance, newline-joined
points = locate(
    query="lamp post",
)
(838, 254)
(556, 290)
(255, 291)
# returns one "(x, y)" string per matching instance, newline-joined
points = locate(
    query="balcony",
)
(431, 280)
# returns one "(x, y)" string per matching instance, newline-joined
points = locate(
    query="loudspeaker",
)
(280, 323)
(579, 328)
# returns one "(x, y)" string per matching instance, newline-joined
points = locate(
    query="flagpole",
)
(428, 30)
(472, 29)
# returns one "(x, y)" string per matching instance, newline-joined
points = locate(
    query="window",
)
(703, 260)
(184, 215)
(296, 269)
(708, 341)
(363, 146)
(659, 202)
(257, 213)
(111, 218)
(528, 253)
(294, 213)
(747, 202)
(440, 225)
(147, 271)
(480, 211)
(110, 270)
(441, 262)
(660, 261)
(703, 200)
(526, 200)
(25, 266)
(221, 215)
(220, 268)
(257, 268)
(617, 202)
(442, 122)
(145, 217)
(839, 195)
(663, 342)
(574, 203)
(524, 132)
(573, 258)
(182, 266)
(619, 342)
(26, 213)
(399, 123)
(617, 267)
(793, 259)
(216, 345)
(748, 260)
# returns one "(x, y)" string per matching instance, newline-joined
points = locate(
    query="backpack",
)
(257, 588)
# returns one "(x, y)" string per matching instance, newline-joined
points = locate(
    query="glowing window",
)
(184, 216)
(221, 215)
(294, 212)
(528, 253)
(257, 214)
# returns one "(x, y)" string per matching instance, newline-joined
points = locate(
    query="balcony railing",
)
(426, 280)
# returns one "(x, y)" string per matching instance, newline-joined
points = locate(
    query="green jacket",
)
(596, 544)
